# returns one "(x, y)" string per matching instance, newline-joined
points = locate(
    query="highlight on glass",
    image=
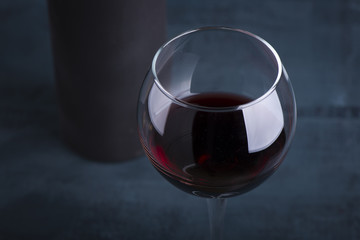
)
(216, 114)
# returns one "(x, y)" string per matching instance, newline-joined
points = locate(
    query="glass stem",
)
(216, 208)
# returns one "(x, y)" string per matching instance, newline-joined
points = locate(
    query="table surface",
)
(49, 192)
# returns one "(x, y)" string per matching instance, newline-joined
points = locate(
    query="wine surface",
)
(206, 152)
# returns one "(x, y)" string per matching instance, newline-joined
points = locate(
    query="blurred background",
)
(50, 192)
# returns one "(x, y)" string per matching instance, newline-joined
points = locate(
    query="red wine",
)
(207, 153)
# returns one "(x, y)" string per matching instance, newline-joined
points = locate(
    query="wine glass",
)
(216, 114)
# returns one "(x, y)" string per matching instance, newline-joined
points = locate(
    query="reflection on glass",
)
(264, 122)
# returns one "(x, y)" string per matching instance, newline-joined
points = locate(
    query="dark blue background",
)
(48, 192)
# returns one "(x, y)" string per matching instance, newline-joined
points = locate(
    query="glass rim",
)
(229, 108)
